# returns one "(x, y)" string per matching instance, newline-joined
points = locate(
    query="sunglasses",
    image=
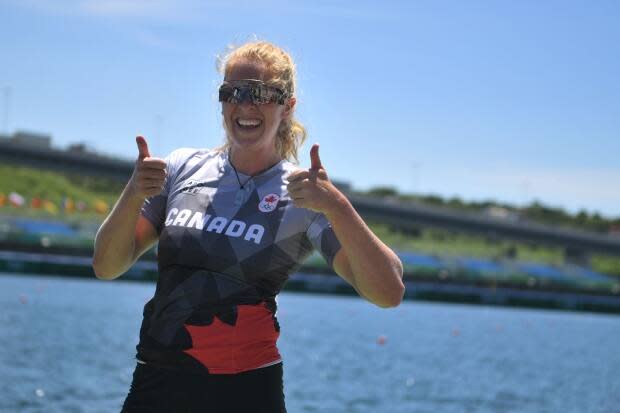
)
(256, 92)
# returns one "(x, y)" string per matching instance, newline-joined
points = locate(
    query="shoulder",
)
(183, 158)
(182, 155)
(287, 168)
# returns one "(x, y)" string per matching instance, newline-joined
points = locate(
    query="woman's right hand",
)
(149, 173)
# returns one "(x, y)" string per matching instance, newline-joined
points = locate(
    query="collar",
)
(226, 167)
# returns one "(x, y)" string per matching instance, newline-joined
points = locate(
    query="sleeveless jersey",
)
(224, 253)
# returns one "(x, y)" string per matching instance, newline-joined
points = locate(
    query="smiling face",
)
(248, 126)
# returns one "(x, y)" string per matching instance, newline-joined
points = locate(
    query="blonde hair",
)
(291, 133)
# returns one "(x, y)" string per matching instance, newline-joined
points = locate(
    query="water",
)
(67, 345)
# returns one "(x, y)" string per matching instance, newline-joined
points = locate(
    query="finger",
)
(298, 176)
(154, 163)
(314, 174)
(296, 197)
(153, 191)
(315, 160)
(297, 185)
(152, 184)
(299, 203)
(143, 148)
(152, 174)
(149, 183)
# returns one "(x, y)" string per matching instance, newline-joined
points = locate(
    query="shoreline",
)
(316, 280)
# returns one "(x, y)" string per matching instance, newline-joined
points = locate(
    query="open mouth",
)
(248, 124)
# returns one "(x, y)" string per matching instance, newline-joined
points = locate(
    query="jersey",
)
(227, 244)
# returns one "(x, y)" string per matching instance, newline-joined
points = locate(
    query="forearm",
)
(115, 239)
(367, 263)
(376, 271)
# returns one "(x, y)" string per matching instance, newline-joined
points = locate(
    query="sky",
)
(484, 100)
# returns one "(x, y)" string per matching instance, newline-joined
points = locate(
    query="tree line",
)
(536, 211)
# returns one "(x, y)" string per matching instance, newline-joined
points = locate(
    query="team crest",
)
(268, 203)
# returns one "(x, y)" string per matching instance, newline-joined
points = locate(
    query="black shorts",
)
(155, 389)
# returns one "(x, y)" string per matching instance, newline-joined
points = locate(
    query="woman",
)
(232, 224)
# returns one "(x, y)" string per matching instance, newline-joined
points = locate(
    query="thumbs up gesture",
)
(149, 173)
(311, 188)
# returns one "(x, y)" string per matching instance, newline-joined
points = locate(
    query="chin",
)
(250, 140)
(246, 142)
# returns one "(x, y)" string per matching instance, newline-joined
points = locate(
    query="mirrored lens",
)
(255, 92)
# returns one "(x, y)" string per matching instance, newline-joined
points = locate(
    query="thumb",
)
(143, 148)
(315, 160)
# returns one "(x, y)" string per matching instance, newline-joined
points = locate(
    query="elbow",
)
(102, 273)
(397, 292)
(392, 298)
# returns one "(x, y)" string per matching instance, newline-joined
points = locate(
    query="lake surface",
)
(68, 345)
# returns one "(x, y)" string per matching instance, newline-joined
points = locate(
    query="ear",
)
(289, 107)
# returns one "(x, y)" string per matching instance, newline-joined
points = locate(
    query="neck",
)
(252, 162)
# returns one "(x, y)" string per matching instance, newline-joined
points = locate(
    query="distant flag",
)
(16, 199)
(101, 206)
(68, 205)
(50, 207)
(36, 202)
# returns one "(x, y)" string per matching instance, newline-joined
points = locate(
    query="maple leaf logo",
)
(269, 203)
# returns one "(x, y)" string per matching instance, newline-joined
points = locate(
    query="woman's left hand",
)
(311, 188)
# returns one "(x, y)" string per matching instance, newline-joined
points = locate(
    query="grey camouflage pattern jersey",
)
(224, 253)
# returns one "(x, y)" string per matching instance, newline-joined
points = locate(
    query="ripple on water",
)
(76, 341)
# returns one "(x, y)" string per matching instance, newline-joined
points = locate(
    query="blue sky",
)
(511, 101)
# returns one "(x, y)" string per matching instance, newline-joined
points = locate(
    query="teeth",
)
(249, 122)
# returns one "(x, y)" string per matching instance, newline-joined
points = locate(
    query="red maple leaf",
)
(226, 349)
